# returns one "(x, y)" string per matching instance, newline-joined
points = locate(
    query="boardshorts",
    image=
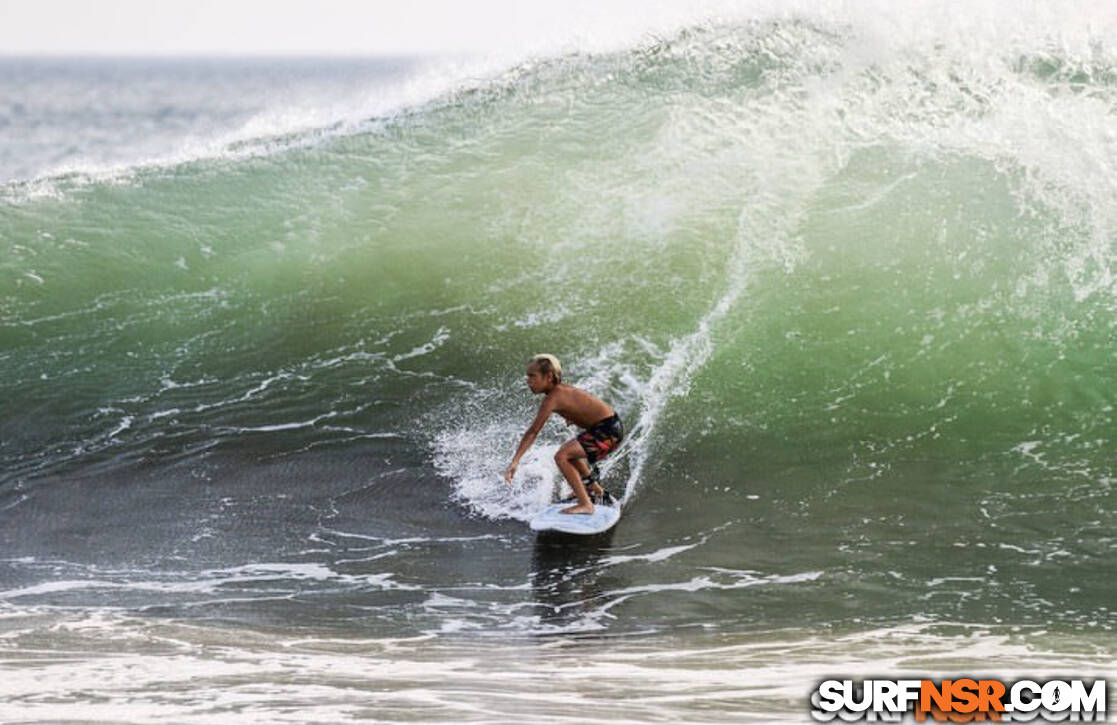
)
(602, 438)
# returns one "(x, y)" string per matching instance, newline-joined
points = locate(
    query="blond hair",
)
(546, 363)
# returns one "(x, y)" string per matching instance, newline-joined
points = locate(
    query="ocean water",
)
(847, 273)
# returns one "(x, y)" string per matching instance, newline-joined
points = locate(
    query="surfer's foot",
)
(600, 496)
(579, 509)
(602, 499)
(597, 494)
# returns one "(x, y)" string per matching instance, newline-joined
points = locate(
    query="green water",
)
(856, 309)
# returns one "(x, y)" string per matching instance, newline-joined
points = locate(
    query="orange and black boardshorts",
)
(602, 438)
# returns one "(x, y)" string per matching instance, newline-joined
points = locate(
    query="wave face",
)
(850, 283)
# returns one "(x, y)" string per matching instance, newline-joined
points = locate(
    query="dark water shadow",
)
(571, 579)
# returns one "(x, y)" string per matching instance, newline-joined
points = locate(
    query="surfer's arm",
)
(529, 437)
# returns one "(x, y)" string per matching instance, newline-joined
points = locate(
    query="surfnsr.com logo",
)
(960, 700)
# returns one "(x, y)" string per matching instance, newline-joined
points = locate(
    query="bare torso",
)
(577, 406)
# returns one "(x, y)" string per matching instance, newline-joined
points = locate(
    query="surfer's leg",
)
(567, 461)
(589, 477)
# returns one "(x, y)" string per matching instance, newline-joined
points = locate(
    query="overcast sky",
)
(373, 27)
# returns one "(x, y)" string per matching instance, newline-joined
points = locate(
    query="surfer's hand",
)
(510, 472)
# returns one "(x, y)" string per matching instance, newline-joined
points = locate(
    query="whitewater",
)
(847, 272)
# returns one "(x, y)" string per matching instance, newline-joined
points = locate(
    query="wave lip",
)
(130, 117)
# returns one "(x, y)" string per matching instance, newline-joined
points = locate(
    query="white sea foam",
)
(219, 582)
(471, 457)
(439, 339)
(115, 667)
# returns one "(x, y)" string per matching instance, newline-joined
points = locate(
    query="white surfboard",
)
(552, 519)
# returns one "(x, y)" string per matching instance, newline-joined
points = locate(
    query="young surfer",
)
(603, 431)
